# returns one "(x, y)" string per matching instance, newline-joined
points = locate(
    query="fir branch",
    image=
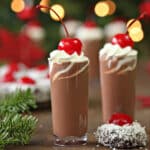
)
(18, 102)
(16, 129)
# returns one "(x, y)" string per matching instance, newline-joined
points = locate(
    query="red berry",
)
(8, 77)
(70, 45)
(123, 40)
(41, 67)
(90, 24)
(120, 119)
(27, 80)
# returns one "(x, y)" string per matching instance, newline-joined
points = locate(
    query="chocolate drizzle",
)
(68, 68)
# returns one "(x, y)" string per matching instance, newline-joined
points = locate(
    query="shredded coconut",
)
(126, 136)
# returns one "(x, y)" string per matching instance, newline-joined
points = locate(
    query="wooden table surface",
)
(42, 138)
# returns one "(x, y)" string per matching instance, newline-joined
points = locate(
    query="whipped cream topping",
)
(125, 136)
(114, 28)
(35, 33)
(111, 50)
(71, 26)
(125, 56)
(86, 33)
(60, 56)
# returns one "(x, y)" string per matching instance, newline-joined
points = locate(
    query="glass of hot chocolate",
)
(117, 71)
(69, 92)
(91, 36)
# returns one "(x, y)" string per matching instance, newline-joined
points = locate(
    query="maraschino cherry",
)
(90, 24)
(123, 40)
(27, 80)
(69, 45)
(27, 13)
(120, 119)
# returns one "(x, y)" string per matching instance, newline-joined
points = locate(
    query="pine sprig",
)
(16, 129)
(19, 102)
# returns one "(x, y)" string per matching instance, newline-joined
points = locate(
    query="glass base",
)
(71, 140)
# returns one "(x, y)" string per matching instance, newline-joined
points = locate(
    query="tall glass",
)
(117, 85)
(69, 98)
(91, 48)
(91, 36)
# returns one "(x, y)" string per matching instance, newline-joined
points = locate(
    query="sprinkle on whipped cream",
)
(126, 136)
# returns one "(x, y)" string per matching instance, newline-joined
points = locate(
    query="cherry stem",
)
(138, 18)
(49, 8)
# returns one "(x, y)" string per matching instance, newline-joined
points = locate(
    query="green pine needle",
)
(21, 101)
(16, 128)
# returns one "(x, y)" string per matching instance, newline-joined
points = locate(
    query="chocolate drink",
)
(91, 49)
(117, 71)
(91, 36)
(69, 95)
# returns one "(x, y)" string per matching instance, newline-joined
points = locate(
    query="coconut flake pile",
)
(126, 136)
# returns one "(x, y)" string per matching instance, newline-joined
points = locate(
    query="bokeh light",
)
(112, 6)
(136, 24)
(136, 34)
(44, 3)
(102, 9)
(17, 5)
(59, 10)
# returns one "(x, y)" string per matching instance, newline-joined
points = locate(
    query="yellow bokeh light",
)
(59, 10)
(17, 5)
(136, 34)
(102, 9)
(44, 3)
(136, 24)
(112, 6)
